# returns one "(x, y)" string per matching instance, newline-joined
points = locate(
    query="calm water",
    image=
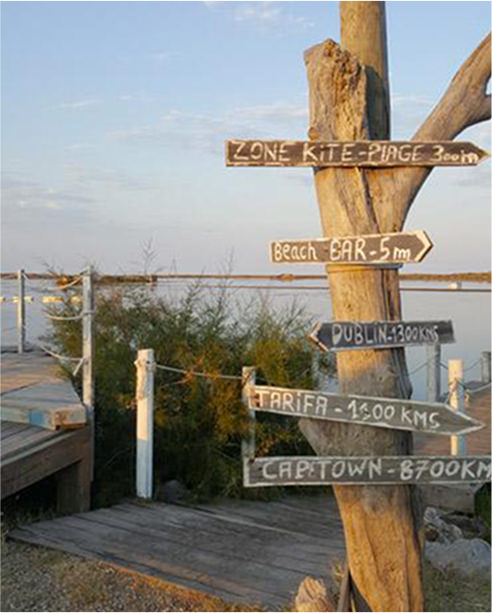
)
(469, 312)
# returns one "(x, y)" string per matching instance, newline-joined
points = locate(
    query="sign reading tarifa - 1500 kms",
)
(392, 248)
(368, 470)
(358, 153)
(396, 413)
(337, 335)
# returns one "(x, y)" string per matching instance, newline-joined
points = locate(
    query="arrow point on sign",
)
(470, 423)
(483, 154)
(315, 338)
(426, 242)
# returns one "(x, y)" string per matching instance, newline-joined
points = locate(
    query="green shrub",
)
(199, 421)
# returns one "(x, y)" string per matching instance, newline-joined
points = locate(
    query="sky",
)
(114, 117)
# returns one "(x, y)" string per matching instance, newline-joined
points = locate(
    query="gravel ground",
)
(39, 579)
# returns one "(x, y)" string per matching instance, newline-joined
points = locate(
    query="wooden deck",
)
(43, 430)
(477, 443)
(242, 551)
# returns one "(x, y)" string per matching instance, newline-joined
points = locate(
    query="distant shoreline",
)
(61, 279)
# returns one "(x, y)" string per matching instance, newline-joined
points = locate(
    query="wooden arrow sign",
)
(393, 248)
(358, 153)
(393, 413)
(385, 470)
(337, 335)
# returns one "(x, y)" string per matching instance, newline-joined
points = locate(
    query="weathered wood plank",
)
(220, 571)
(24, 440)
(338, 335)
(229, 522)
(34, 463)
(396, 413)
(119, 556)
(279, 516)
(365, 249)
(34, 393)
(210, 549)
(71, 416)
(316, 470)
(221, 543)
(352, 153)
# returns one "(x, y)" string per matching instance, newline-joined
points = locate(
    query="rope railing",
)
(77, 317)
(195, 373)
(61, 358)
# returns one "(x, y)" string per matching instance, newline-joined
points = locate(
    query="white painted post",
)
(145, 421)
(21, 312)
(457, 401)
(248, 381)
(433, 372)
(88, 352)
(485, 363)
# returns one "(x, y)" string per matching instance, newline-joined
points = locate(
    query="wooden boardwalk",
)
(255, 553)
(43, 430)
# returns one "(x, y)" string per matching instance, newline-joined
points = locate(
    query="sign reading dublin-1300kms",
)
(337, 335)
(401, 414)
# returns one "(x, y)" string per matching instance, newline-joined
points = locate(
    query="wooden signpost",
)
(316, 470)
(349, 131)
(338, 335)
(359, 153)
(397, 248)
(429, 417)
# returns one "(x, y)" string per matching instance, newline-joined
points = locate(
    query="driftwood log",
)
(349, 94)
(312, 595)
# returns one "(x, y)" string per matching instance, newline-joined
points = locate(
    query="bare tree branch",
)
(464, 104)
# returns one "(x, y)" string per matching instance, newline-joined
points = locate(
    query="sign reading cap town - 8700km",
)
(384, 470)
(393, 248)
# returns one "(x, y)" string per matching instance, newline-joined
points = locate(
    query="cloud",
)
(78, 105)
(92, 178)
(135, 98)
(277, 120)
(474, 177)
(263, 16)
(405, 100)
(28, 202)
(160, 57)
(80, 146)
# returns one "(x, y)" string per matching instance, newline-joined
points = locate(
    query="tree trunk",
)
(349, 96)
(349, 101)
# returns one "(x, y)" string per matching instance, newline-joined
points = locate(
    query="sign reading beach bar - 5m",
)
(392, 248)
(357, 153)
(385, 470)
(332, 336)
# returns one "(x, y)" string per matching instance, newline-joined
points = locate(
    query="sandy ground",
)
(39, 579)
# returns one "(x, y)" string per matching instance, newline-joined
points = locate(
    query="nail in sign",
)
(358, 153)
(393, 248)
(385, 470)
(429, 417)
(337, 335)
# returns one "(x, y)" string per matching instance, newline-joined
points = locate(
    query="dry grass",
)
(451, 591)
